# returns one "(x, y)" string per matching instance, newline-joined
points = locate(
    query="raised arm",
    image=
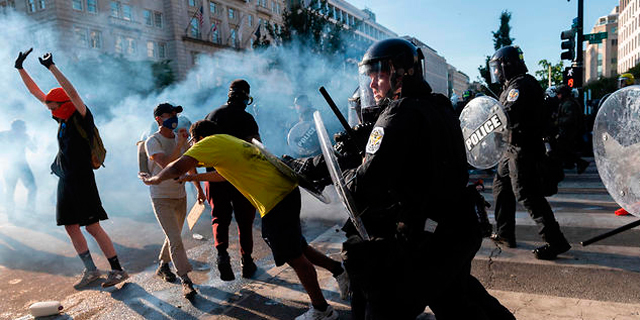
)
(47, 61)
(28, 82)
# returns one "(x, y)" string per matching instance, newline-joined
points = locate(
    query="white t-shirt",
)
(157, 143)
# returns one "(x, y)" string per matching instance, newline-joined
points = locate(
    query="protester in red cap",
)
(78, 202)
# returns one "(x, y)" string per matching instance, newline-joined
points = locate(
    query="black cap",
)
(166, 108)
(240, 85)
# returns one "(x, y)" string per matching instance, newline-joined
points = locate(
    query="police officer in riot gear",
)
(424, 235)
(569, 123)
(517, 177)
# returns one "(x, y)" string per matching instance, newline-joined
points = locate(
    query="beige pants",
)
(171, 214)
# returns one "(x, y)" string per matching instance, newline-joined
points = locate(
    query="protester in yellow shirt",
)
(275, 196)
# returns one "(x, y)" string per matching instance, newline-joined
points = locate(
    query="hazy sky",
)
(460, 30)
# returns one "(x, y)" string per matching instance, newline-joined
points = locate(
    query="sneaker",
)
(187, 289)
(224, 266)
(315, 314)
(114, 277)
(550, 252)
(498, 239)
(87, 278)
(164, 272)
(249, 268)
(343, 285)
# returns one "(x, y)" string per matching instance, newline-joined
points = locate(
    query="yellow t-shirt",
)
(245, 167)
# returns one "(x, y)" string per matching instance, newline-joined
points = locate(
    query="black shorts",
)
(281, 229)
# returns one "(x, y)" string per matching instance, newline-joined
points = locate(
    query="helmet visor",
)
(494, 70)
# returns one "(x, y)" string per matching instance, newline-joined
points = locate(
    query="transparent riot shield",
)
(303, 140)
(290, 173)
(616, 147)
(336, 176)
(484, 128)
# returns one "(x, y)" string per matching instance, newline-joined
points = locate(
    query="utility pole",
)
(579, 56)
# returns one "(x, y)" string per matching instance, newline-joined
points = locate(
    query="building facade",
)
(156, 30)
(458, 82)
(628, 35)
(601, 59)
(435, 67)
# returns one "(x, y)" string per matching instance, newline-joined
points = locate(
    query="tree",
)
(501, 37)
(543, 73)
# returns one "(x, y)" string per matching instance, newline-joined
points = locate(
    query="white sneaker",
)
(87, 278)
(114, 277)
(315, 314)
(344, 285)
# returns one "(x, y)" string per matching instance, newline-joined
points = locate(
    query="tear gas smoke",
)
(122, 101)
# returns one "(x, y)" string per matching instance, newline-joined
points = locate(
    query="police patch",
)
(375, 139)
(513, 95)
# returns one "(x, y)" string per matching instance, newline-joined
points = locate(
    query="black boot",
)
(224, 266)
(249, 268)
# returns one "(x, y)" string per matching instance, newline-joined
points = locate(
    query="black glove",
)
(346, 144)
(47, 60)
(21, 57)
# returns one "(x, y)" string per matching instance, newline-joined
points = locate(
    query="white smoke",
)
(122, 105)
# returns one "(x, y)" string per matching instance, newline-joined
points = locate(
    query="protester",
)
(16, 141)
(78, 202)
(275, 196)
(169, 198)
(224, 198)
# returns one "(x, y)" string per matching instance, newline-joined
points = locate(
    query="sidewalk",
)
(277, 294)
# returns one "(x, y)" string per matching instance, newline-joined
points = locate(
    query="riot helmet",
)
(626, 79)
(385, 67)
(467, 95)
(551, 92)
(506, 63)
(563, 91)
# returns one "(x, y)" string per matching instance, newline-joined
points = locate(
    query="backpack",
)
(98, 152)
(143, 158)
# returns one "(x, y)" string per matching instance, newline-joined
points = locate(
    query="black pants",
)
(517, 179)
(394, 281)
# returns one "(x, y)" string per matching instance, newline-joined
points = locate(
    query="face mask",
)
(170, 123)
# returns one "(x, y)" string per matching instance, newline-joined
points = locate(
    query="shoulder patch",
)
(375, 139)
(513, 95)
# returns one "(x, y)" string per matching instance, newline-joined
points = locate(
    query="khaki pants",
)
(171, 214)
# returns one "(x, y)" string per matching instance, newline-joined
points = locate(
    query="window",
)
(119, 44)
(215, 36)
(81, 36)
(232, 13)
(42, 4)
(250, 20)
(232, 38)
(126, 12)
(76, 4)
(151, 49)
(157, 16)
(162, 50)
(131, 46)
(148, 17)
(194, 57)
(95, 39)
(192, 3)
(273, 6)
(92, 6)
(115, 9)
(277, 8)
(31, 5)
(213, 7)
(195, 28)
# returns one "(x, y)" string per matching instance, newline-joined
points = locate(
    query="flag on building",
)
(199, 15)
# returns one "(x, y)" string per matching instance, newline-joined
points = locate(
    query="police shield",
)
(336, 175)
(290, 173)
(616, 147)
(302, 139)
(484, 128)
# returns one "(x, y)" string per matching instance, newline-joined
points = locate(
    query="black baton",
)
(341, 118)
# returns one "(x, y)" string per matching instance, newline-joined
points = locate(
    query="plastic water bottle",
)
(45, 308)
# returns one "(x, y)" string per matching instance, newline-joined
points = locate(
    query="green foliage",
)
(602, 86)
(162, 74)
(635, 71)
(543, 73)
(501, 37)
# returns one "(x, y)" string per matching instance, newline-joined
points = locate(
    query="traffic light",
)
(572, 77)
(568, 43)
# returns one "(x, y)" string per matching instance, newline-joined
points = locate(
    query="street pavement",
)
(595, 282)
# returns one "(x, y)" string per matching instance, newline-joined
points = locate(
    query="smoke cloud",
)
(122, 101)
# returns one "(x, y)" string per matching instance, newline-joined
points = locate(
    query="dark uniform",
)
(518, 177)
(423, 235)
(569, 124)
(224, 198)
